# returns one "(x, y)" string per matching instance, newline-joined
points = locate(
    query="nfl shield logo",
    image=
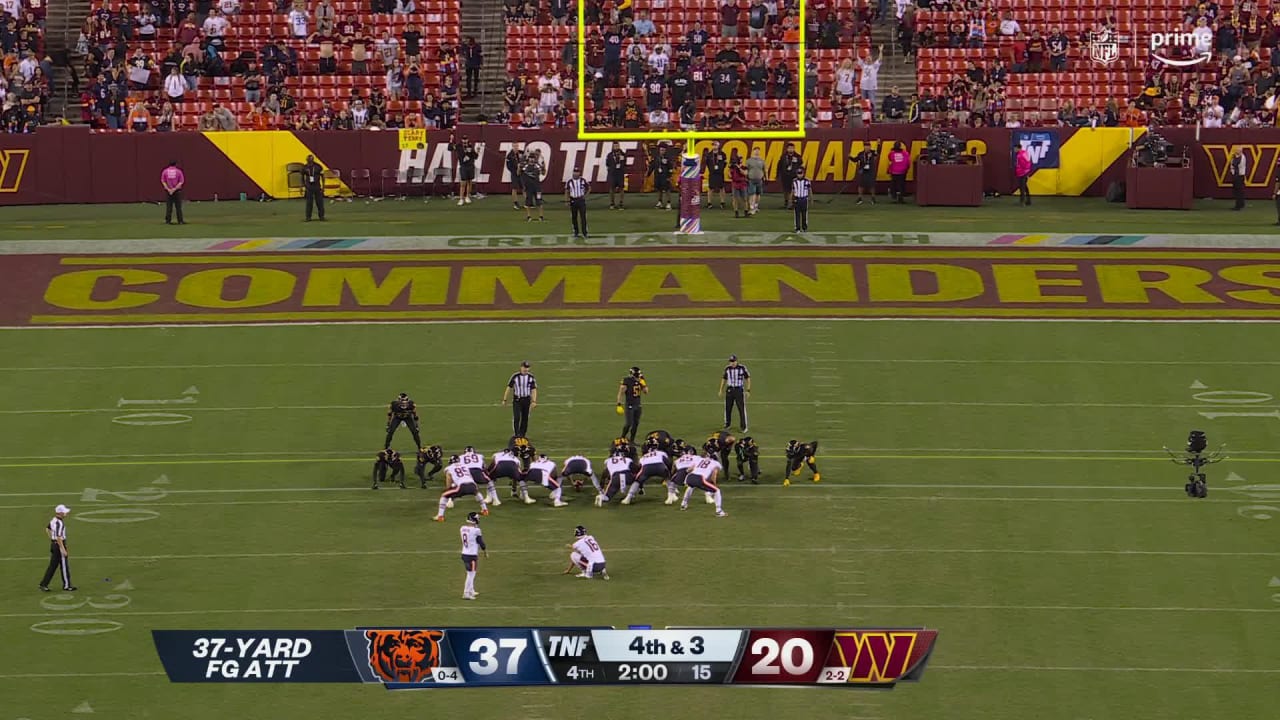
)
(1104, 49)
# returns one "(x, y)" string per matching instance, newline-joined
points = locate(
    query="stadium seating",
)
(259, 21)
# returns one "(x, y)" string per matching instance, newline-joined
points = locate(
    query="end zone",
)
(705, 282)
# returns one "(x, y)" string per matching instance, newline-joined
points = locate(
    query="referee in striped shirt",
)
(575, 193)
(58, 558)
(522, 389)
(735, 386)
(800, 188)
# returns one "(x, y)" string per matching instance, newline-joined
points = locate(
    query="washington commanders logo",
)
(13, 163)
(1260, 161)
(403, 656)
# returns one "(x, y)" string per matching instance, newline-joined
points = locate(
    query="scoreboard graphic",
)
(450, 657)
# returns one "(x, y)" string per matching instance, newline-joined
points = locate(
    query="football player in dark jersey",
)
(630, 391)
(748, 459)
(404, 411)
(388, 463)
(433, 456)
(799, 454)
(722, 444)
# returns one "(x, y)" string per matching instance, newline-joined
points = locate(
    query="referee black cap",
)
(524, 364)
(733, 358)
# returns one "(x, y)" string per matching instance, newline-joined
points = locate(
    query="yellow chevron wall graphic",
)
(1082, 159)
(263, 156)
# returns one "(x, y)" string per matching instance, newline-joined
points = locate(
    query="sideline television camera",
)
(1152, 150)
(1196, 457)
(943, 148)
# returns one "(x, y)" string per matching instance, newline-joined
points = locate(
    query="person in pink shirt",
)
(172, 178)
(899, 165)
(1022, 171)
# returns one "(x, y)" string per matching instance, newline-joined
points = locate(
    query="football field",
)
(1000, 482)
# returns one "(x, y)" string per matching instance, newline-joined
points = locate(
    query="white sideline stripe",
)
(634, 361)
(778, 550)
(1052, 668)
(191, 409)
(721, 606)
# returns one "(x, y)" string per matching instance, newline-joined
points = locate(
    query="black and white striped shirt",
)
(577, 188)
(522, 384)
(735, 375)
(57, 529)
(800, 188)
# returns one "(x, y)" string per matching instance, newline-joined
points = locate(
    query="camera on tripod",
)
(943, 148)
(1152, 151)
(1196, 458)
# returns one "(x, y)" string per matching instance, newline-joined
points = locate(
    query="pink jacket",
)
(1022, 163)
(899, 162)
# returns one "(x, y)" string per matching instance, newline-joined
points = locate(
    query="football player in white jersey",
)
(587, 557)
(654, 464)
(458, 483)
(621, 472)
(576, 468)
(472, 546)
(684, 463)
(704, 476)
(474, 462)
(542, 471)
(505, 465)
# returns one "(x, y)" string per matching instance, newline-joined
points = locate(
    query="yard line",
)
(677, 604)
(772, 550)
(702, 403)
(551, 362)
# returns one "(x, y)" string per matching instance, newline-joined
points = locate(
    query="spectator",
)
(208, 123)
(894, 107)
(402, 7)
(343, 121)
(697, 39)
(810, 114)
(724, 81)
(757, 79)
(139, 118)
(1035, 52)
(636, 63)
(350, 30)
(175, 87)
(531, 117)
(472, 61)
(147, 22)
(229, 7)
(757, 19)
(298, 21)
(659, 60)
(643, 25)
(1008, 26)
(870, 75)
(226, 121)
(215, 27)
(359, 115)
(729, 13)
(782, 80)
(1058, 45)
(414, 86)
(388, 49)
(188, 31)
(412, 38)
(844, 79)
(659, 119)
(1132, 117)
(976, 35)
(165, 122)
(559, 11)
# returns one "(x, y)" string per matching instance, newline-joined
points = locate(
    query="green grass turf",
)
(494, 216)
(1001, 482)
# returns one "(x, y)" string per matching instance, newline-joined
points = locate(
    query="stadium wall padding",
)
(75, 165)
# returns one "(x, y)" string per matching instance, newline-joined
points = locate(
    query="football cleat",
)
(467, 596)
(817, 477)
(626, 500)
(786, 482)
(529, 501)
(582, 575)
(721, 513)
(559, 503)
(599, 501)
(438, 518)
(449, 504)
(484, 511)
(683, 506)
(710, 499)
(604, 575)
(671, 500)
(494, 501)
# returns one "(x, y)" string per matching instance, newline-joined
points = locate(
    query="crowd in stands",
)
(165, 65)
(144, 64)
(1235, 87)
(27, 80)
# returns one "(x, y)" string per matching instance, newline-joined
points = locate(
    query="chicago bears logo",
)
(403, 656)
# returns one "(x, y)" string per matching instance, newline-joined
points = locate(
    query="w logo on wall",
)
(1041, 147)
(13, 163)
